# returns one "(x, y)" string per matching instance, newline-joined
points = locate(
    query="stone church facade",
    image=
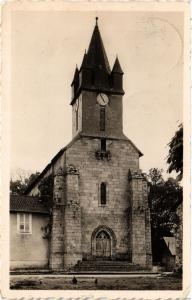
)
(100, 199)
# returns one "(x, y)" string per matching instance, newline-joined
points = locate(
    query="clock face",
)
(76, 104)
(102, 99)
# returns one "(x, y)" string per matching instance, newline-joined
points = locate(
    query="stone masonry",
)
(126, 214)
(100, 200)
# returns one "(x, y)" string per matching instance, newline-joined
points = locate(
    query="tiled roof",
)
(24, 203)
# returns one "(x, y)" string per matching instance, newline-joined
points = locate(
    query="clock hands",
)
(102, 98)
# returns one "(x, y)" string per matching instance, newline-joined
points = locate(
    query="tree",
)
(20, 183)
(163, 197)
(175, 156)
(46, 186)
(155, 176)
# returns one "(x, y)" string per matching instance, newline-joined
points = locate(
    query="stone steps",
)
(106, 266)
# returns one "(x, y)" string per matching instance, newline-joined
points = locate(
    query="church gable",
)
(99, 205)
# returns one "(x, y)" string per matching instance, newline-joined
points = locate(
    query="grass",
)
(88, 283)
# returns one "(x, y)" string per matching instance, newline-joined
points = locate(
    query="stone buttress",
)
(140, 231)
(65, 243)
(57, 223)
(72, 219)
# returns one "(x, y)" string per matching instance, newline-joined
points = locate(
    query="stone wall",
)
(140, 227)
(72, 219)
(79, 129)
(115, 173)
(91, 116)
(57, 224)
(77, 210)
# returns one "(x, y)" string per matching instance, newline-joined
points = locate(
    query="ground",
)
(96, 282)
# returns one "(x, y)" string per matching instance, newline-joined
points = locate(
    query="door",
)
(103, 245)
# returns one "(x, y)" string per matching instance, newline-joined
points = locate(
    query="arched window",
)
(103, 193)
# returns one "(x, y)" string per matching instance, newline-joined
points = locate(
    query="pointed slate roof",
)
(84, 62)
(76, 76)
(96, 55)
(95, 71)
(117, 67)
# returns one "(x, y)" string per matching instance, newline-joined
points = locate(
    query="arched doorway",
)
(103, 243)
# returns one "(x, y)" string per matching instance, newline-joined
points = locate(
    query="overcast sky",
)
(46, 46)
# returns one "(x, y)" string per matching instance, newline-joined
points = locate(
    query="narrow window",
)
(24, 223)
(103, 145)
(76, 119)
(103, 193)
(102, 119)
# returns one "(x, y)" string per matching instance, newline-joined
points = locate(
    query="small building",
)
(29, 229)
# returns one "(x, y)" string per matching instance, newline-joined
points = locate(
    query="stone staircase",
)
(107, 266)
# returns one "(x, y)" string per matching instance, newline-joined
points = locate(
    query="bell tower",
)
(97, 93)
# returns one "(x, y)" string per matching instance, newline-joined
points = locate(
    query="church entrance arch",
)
(103, 243)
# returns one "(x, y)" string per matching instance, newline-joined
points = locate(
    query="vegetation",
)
(19, 185)
(175, 156)
(46, 186)
(163, 198)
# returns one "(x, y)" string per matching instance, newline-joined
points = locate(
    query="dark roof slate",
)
(84, 64)
(22, 203)
(96, 55)
(76, 76)
(117, 67)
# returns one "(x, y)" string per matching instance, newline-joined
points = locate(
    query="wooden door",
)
(103, 245)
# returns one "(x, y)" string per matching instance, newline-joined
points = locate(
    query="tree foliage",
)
(22, 180)
(175, 156)
(20, 183)
(163, 197)
(46, 186)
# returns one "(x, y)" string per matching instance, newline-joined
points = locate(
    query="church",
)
(98, 218)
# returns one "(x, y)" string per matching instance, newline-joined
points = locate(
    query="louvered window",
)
(102, 119)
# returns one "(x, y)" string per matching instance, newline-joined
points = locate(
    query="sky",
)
(45, 48)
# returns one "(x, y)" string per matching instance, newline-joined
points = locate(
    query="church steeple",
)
(95, 73)
(97, 93)
(96, 55)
